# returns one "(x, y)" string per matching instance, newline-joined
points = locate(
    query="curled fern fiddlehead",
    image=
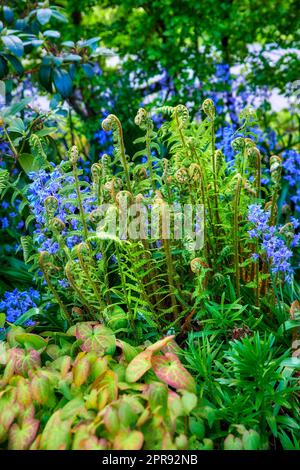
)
(112, 123)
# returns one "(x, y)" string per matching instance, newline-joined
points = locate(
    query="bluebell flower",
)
(273, 245)
(63, 283)
(53, 184)
(4, 223)
(16, 303)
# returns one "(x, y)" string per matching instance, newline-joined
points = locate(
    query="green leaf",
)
(251, 440)
(3, 67)
(46, 131)
(57, 433)
(43, 15)
(233, 443)
(17, 126)
(14, 44)
(128, 440)
(62, 82)
(2, 319)
(16, 107)
(109, 385)
(51, 33)
(73, 408)
(158, 397)
(17, 65)
(20, 437)
(88, 70)
(45, 76)
(31, 340)
(40, 388)
(189, 402)
(72, 58)
(4, 176)
(96, 338)
(139, 366)
(111, 420)
(293, 362)
(128, 351)
(59, 16)
(197, 427)
(8, 14)
(81, 371)
(169, 369)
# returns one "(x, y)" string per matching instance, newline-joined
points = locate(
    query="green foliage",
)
(159, 278)
(65, 399)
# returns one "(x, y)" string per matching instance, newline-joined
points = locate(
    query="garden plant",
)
(150, 231)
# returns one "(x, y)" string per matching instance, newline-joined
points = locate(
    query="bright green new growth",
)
(160, 281)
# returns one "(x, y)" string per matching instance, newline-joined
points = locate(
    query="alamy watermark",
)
(152, 221)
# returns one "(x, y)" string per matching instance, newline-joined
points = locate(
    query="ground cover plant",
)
(150, 285)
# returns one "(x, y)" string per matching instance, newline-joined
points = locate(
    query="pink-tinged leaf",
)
(28, 412)
(92, 443)
(15, 330)
(83, 440)
(80, 433)
(158, 397)
(96, 338)
(72, 331)
(65, 366)
(145, 416)
(8, 372)
(21, 437)
(81, 370)
(99, 367)
(175, 405)
(162, 343)
(167, 443)
(3, 434)
(128, 440)
(141, 363)
(172, 347)
(23, 392)
(26, 360)
(139, 366)
(40, 388)
(36, 443)
(8, 414)
(169, 369)
(111, 420)
(57, 433)
(108, 384)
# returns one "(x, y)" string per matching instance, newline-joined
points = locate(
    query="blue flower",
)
(53, 183)
(16, 303)
(273, 245)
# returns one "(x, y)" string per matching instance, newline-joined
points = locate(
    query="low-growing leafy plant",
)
(88, 390)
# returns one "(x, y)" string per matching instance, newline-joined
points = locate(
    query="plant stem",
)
(53, 290)
(77, 186)
(236, 234)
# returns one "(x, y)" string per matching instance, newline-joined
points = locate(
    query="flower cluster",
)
(11, 219)
(54, 183)
(278, 253)
(291, 166)
(16, 303)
